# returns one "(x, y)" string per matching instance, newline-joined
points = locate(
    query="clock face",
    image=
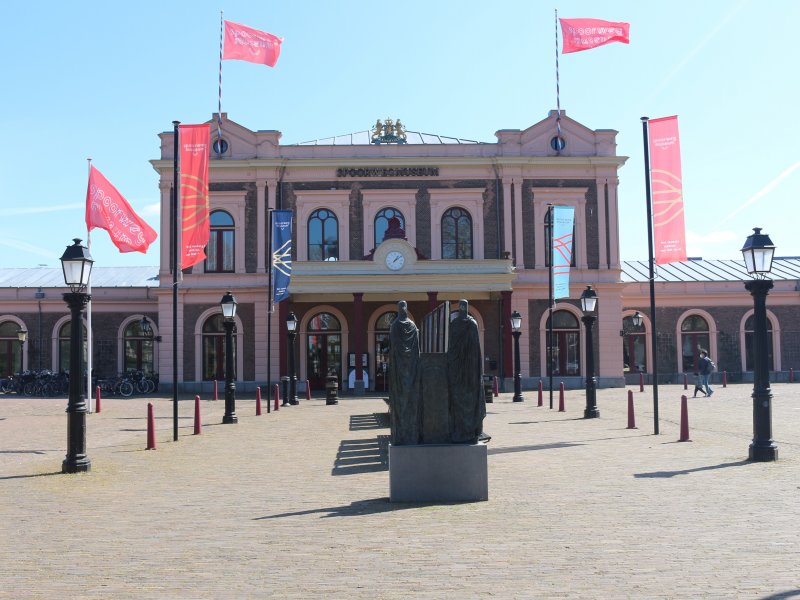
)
(395, 260)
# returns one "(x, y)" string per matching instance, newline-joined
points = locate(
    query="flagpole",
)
(219, 97)
(550, 302)
(558, 97)
(175, 269)
(651, 274)
(89, 344)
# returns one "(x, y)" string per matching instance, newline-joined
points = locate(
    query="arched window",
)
(138, 349)
(382, 222)
(548, 240)
(214, 348)
(323, 235)
(634, 347)
(323, 349)
(694, 338)
(219, 253)
(63, 346)
(456, 234)
(10, 349)
(382, 326)
(566, 347)
(748, 344)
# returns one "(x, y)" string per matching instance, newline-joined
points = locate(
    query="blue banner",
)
(281, 254)
(563, 220)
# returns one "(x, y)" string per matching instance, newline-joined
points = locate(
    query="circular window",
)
(220, 146)
(558, 143)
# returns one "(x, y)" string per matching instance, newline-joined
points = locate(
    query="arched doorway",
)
(566, 346)
(10, 349)
(634, 346)
(694, 338)
(214, 349)
(748, 344)
(323, 350)
(382, 350)
(138, 349)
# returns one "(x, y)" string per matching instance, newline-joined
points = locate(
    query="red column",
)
(508, 359)
(283, 344)
(358, 335)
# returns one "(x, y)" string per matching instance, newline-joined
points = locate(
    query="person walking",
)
(706, 368)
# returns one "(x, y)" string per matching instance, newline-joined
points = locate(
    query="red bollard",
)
(685, 381)
(308, 391)
(724, 379)
(791, 375)
(216, 395)
(258, 401)
(539, 400)
(151, 427)
(277, 397)
(561, 397)
(684, 420)
(641, 381)
(631, 416)
(97, 404)
(198, 426)
(496, 389)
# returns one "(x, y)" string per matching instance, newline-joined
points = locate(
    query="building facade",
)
(391, 214)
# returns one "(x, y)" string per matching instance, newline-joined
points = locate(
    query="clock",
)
(395, 260)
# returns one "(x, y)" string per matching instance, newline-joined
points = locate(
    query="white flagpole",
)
(89, 344)
(219, 97)
(558, 97)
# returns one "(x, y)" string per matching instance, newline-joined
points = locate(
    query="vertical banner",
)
(563, 218)
(195, 226)
(666, 180)
(281, 254)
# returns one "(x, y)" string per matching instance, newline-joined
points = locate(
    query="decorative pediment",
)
(538, 139)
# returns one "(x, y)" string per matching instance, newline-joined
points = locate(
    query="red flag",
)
(107, 209)
(669, 231)
(583, 34)
(195, 230)
(252, 45)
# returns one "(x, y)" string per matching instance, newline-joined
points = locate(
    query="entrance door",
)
(323, 350)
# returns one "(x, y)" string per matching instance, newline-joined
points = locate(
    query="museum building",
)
(389, 214)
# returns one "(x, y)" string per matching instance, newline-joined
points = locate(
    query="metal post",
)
(292, 372)
(591, 411)
(517, 376)
(175, 268)
(76, 460)
(230, 386)
(763, 448)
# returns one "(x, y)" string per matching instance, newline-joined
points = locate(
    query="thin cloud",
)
(26, 247)
(152, 209)
(31, 210)
(762, 192)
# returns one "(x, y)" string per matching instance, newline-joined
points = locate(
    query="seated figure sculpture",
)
(403, 382)
(467, 403)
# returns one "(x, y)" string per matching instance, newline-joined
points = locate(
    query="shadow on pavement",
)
(362, 456)
(552, 446)
(666, 474)
(358, 508)
(782, 595)
(371, 421)
(29, 476)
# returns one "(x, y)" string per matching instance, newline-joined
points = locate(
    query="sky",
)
(100, 80)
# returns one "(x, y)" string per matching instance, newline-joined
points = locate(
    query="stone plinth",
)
(438, 473)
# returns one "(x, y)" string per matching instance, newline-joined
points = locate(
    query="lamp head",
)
(516, 321)
(758, 251)
(22, 336)
(589, 300)
(291, 323)
(228, 304)
(76, 263)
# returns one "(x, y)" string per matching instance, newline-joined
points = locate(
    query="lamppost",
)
(516, 326)
(22, 336)
(228, 304)
(589, 307)
(291, 328)
(758, 251)
(77, 266)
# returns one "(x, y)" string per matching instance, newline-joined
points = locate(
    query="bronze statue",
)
(399, 130)
(403, 382)
(464, 368)
(377, 130)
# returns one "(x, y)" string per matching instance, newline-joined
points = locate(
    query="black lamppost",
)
(589, 307)
(291, 328)
(758, 251)
(228, 304)
(22, 336)
(77, 265)
(516, 326)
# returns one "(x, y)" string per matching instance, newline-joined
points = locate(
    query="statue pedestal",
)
(438, 473)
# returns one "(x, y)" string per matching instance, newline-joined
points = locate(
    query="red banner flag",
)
(666, 182)
(252, 45)
(195, 230)
(107, 209)
(583, 34)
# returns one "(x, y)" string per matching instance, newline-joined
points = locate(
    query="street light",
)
(22, 336)
(636, 319)
(291, 328)
(516, 326)
(758, 251)
(589, 307)
(228, 304)
(76, 263)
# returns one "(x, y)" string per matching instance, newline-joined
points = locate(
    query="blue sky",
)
(102, 79)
